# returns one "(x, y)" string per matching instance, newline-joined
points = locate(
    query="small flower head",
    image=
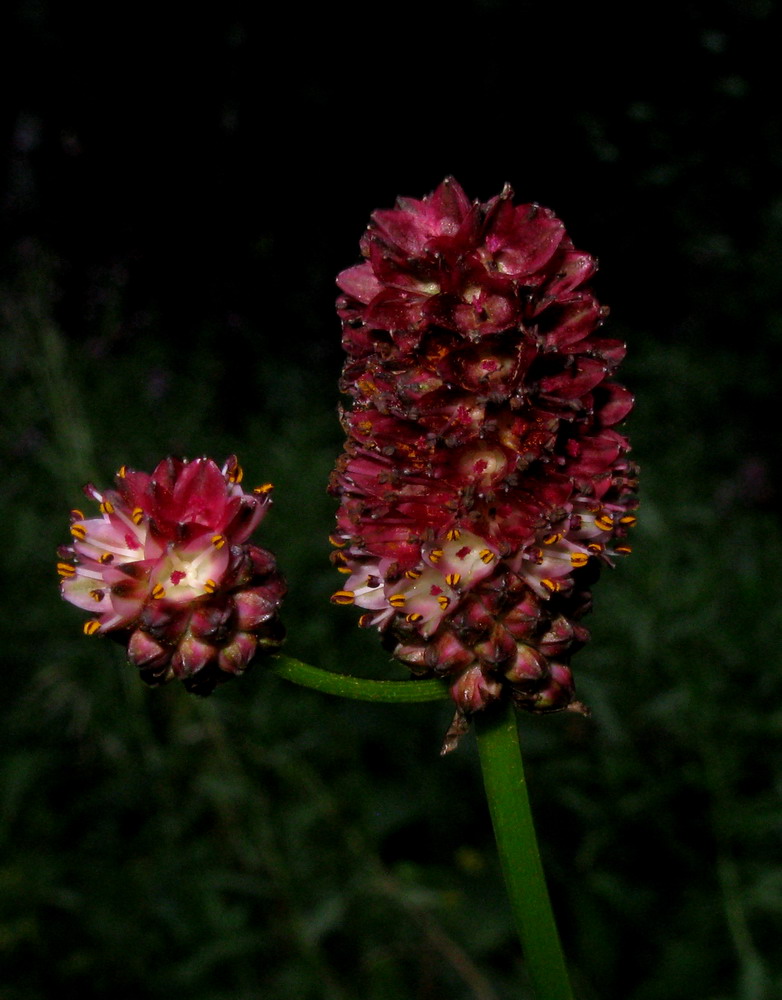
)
(483, 483)
(167, 569)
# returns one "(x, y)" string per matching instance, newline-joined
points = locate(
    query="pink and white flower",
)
(167, 569)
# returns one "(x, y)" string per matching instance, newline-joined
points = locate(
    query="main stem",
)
(506, 792)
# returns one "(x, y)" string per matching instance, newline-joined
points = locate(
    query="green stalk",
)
(506, 791)
(358, 688)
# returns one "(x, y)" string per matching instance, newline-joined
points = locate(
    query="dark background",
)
(178, 193)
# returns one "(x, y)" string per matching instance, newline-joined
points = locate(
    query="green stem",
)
(358, 688)
(506, 791)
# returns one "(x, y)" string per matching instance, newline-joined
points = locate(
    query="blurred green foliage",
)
(161, 296)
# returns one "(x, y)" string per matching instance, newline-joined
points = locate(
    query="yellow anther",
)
(443, 601)
(625, 550)
(595, 547)
(210, 586)
(629, 520)
(553, 538)
(578, 559)
(365, 620)
(137, 516)
(453, 534)
(105, 557)
(344, 569)
(218, 541)
(453, 579)
(122, 472)
(486, 556)
(107, 507)
(263, 489)
(435, 555)
(343, 597)
(413, 618)
(605, 522)
(337, 542)
(552, 586)
(158, 591)
(66, 569)
(91, 627)
(76, 515)
(79, 531)
(96, 595)
(412, 574)
(397, 600)
(236, 474)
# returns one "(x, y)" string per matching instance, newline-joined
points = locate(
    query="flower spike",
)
(484, 483)
(168, 571)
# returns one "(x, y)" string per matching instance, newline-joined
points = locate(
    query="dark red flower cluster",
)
(167, 570)
(483, 482)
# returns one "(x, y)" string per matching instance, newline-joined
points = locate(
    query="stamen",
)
(453, 534)
(412, 574)
(443, 601)
(91, 627)
(625, 550)
(158, 591)
(343, 597)
(578, 559)
(96, 595)
(76, 515)
(629, 520)
(595, 547)
(265, 488)
(79, 531)
(337, 542)
(218, 541)
(552, 586)
(605, 522)
(122, 472)
(344, 569)
(107, 507)
(106, 557)
(397, 600)
(486, 556)
(210, 586)
(453, 579)
(236, 474)
(66, 569)
(553, 538)
(435, 555)
(413, 618)
(137, 516)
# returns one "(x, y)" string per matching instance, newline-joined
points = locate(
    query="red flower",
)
(483, 483)
(167, 569)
